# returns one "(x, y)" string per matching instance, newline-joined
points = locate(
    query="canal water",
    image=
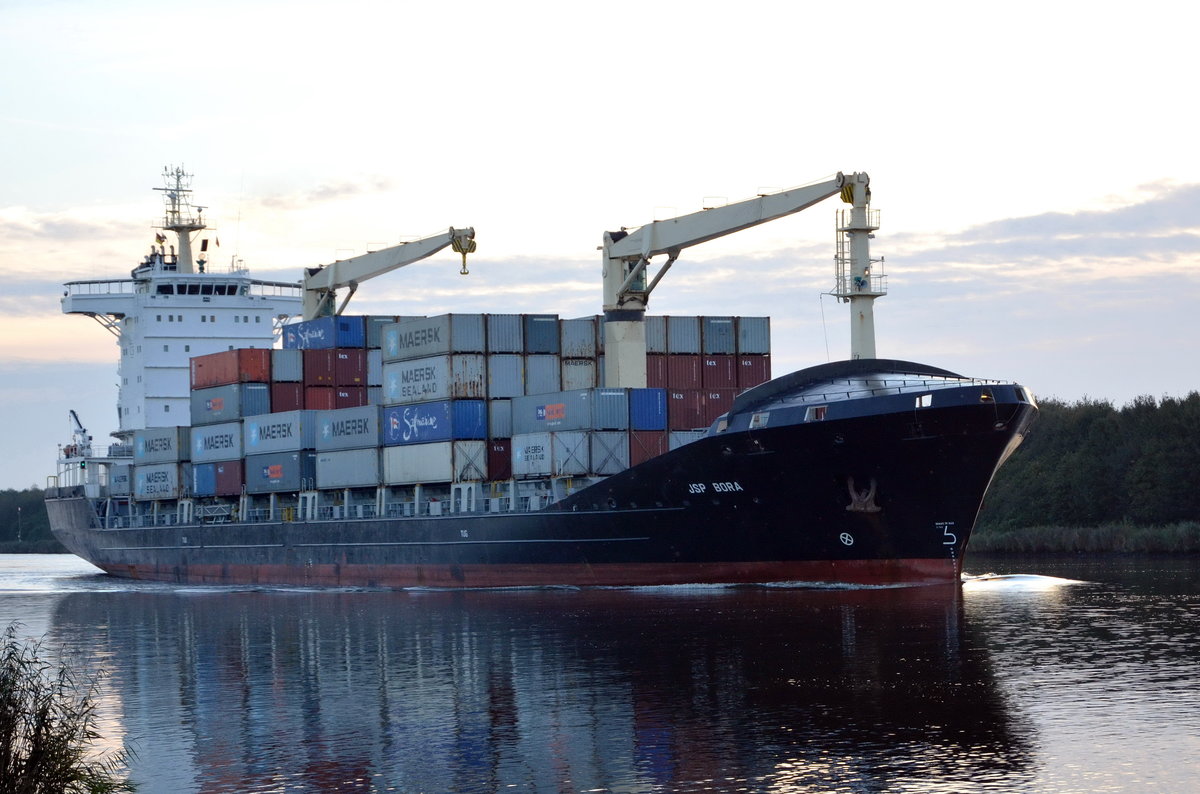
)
(1038, 674)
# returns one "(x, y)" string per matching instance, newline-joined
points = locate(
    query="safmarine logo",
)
(414, 421)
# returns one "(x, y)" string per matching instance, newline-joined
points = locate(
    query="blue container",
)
(541, 333)
(648, 409)
(504, 334)
(324, 333)
(443, 420)
(204, 479)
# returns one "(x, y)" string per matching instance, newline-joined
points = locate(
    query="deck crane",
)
(321, 283)
(627, 254)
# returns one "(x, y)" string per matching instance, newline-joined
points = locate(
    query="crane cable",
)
(463, 246)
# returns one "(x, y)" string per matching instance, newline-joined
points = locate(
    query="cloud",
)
(325, 193)
(17, 223)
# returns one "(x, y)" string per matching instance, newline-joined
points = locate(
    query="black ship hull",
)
(879, 488)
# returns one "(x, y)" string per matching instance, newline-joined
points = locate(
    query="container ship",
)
(266, 437)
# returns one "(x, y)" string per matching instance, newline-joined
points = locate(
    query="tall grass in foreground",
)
(48, 727)
(1177, 538)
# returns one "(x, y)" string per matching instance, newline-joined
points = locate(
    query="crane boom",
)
(321, 284)
(627, 255)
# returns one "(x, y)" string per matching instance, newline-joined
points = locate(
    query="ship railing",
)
(100, 287)
(885, 387)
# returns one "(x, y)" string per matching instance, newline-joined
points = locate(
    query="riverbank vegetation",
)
(24, 525)
(1093, 477)
(49, 737)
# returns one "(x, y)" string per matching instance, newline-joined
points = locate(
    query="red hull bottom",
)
(853, 572)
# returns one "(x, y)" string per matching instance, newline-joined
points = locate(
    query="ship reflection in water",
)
(623, 690)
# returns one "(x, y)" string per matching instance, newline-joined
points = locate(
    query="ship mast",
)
(179, 217)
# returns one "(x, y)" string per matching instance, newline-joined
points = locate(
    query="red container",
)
(656, 371)
(685, 409)
(753, 370)
(229, 478)
(287, 397)
(683, 372)
(245, 365)
(717, 402)
(349, 396)
(319, 367)
(646, 444)
(499, 459)
(718, 372)
(349, 367)
(319, 398)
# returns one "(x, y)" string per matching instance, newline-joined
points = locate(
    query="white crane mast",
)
(626, 256)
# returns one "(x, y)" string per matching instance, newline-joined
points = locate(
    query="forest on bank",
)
(1089, 477)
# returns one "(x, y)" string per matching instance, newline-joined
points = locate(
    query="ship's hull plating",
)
(880, 499)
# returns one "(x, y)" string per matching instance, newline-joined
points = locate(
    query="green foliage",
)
(1089, 464)
(1179, 538)
(23, 513)
(48, 727)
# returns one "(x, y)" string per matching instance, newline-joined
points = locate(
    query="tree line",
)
(1090, 464)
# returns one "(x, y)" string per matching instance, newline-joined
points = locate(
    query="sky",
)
(1034, 165)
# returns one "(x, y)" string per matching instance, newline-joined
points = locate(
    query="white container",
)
(610, 452)
(532, 455)
(572, 453)
(435, 378)
(157, 481)
(348, 468)
(288, 431)
(160, 445)
(439, 462)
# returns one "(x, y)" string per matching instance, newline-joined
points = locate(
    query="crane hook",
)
(464, 243)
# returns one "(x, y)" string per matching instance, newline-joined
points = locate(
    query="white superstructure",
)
(174, 307)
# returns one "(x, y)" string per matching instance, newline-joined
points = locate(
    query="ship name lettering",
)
(727, 487)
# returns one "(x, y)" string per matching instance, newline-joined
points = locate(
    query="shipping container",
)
(683, 335)
(718, 372)
(244, 365)
(281, 432)
(753, 370)
(577, 338)
(422, 337)
(443, 420)
(287, 396)
(442, 461)
(319, 367)
(374, 367)
(348, 428)
(683, 371)
(679, 438)
(499, 418)
(581, 409)
(326, 333)
(204, 479)
(656, 333)
(542, 374)
(161, 445)
(120, 479)
(350, 396)
(160, 481)
(720, 336)
(374, 395)
(287, 366)
(275, 472)
(506, 375)
(656, 371)
(754, 336)
(685, 409)
(229, 477)
(217, 442)
(373, 326)
(541, 333)
(504, 334)
(648, 409)
(319, 398)
(348, 468)
(532, 455)
(646, 445)
(226, 403)
(455, 377)
(609, 452)
(349, 367)
(572, 453)
(578, 373)
(499, 459)
(717, 402)
(600, 372)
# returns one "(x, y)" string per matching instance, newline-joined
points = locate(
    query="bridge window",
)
(166, 289)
